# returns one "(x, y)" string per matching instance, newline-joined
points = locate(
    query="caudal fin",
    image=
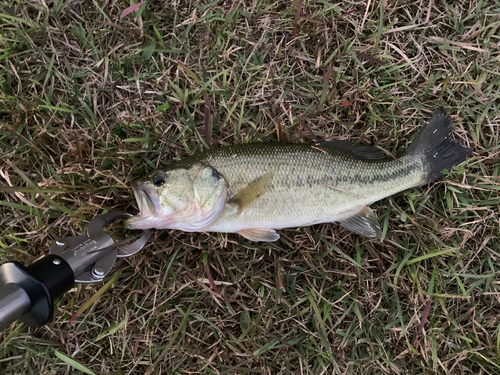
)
(437, 148)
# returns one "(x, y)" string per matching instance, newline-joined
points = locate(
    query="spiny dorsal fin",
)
(364, 222)
(254, 190)
(357, 150)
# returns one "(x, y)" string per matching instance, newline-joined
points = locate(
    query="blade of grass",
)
(72, 363)
(182, 327)
(39, 191)
(94, 298)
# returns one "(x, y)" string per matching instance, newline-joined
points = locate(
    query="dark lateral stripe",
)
(339, 180)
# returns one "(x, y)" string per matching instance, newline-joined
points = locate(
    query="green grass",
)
(89, 102)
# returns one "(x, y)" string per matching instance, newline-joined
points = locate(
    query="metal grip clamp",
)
(97, 249)
(28, 293)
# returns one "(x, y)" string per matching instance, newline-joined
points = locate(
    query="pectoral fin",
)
(364, 222)
(254, 190)
(262, 235)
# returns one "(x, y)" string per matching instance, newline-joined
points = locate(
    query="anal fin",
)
(253, 191)
(364, 222)
(260, 235)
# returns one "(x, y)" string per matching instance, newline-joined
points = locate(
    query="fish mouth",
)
(147, 207)
(144, 201)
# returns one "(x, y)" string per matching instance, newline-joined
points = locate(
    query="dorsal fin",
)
(254, 190)
(356, 150)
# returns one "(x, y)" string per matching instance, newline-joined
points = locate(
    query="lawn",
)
(90, 101)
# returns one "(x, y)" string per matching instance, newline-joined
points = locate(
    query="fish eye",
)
(159, 179)
(216, 175)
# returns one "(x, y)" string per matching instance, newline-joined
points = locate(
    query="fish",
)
(255, 189)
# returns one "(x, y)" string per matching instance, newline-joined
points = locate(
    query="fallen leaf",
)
(131, 9)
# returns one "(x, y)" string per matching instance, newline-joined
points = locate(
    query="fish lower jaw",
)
(158, 222)
(139, 222)
(150, 221)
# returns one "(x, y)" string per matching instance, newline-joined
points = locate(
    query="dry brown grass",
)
(89, 102)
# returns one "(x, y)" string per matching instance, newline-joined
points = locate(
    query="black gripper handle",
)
(43, 282)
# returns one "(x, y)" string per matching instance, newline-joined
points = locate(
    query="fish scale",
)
(255, 188)
(306, 182)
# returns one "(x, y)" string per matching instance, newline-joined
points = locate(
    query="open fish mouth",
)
(144, 201)
(147, 207)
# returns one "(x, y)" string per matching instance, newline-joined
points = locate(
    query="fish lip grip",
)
(78, 251)
(97, 225)
(28, 293)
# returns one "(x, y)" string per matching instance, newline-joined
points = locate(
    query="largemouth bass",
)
(256, 188)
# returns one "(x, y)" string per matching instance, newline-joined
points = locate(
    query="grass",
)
(88, 102)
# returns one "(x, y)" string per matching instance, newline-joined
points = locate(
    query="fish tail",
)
(434, 144)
